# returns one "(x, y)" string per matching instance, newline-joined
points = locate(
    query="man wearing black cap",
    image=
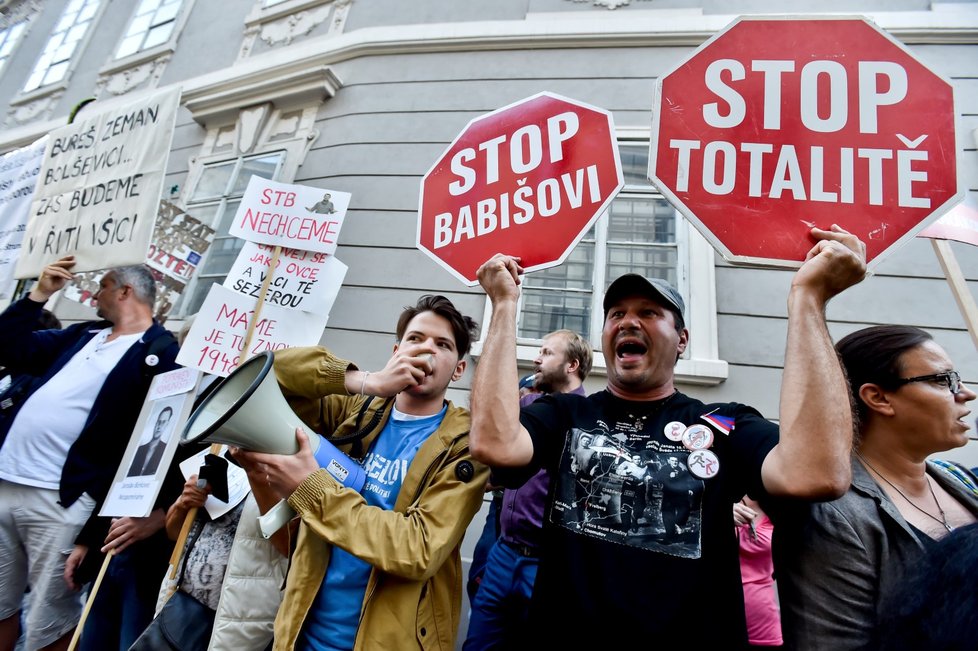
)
(681, 583)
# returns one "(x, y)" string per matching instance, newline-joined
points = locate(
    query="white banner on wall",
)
(99, 187)
(18, 176)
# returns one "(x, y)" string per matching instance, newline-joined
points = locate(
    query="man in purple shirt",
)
(499, 606)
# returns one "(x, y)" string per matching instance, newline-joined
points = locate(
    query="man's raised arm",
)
(497, 438)
(811, 459)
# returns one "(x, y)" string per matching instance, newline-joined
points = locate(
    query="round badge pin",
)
(674, 430)
(152, 360)
(703, 463)
(697, 437)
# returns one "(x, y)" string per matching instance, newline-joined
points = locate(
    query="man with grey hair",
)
(63, 442)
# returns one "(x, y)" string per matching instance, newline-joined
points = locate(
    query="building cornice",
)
(647, 28)
(301, 71)
(289, 85)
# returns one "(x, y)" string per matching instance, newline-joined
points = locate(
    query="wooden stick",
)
(272, 263)
(188, 522)
(959, 286)
(91, 599)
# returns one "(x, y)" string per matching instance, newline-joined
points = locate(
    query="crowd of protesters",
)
(649, 497)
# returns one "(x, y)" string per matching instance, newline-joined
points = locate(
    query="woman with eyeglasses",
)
(837, 561)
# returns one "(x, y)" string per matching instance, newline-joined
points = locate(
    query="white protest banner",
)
(99, 187)
(155, 438)
(18, 175)
(179, 241)
(217, 338)
(302, 280)
(294, 216)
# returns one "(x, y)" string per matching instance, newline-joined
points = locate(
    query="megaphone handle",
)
(277, 517)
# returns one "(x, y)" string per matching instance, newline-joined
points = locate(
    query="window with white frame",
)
(151, 25)
(640, 233)
(70, 30)
(9, 37)
(214, 200)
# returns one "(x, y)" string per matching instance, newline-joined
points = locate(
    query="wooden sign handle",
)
(959, 286)
(91, 599)
(272, 264)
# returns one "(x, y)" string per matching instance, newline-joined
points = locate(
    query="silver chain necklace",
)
(942, 520)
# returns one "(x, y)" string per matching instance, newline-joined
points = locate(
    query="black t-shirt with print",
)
(629, 532)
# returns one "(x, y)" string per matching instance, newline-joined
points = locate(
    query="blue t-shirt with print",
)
(332, 622)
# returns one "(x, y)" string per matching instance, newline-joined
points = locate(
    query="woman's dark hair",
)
(463, 327)
(872, 356)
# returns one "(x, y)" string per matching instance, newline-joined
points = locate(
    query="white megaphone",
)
(247, 409)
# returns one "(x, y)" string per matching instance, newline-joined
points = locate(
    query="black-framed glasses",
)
(950, 378)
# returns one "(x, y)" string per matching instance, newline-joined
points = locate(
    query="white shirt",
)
(53, 417)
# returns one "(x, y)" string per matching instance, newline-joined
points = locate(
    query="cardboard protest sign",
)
(168, 404)
(179, 242)
(18, 175)
(99, 186)
(217, 338)
(301, 280)
(295, 216)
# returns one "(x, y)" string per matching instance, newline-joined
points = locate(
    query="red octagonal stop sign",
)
(777, 125)
(528, 179)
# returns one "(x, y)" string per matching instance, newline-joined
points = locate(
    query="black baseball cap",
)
(656, 288)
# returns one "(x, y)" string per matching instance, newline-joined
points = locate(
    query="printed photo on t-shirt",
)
(624, 486)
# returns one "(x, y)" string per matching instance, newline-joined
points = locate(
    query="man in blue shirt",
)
(378, 568)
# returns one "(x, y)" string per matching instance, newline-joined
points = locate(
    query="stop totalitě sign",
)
(527, 180)
(776, 125)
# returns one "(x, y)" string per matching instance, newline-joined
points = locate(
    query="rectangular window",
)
(214, 201)
(53, 64)
(638, 234)
(151, 25)
(9, 37)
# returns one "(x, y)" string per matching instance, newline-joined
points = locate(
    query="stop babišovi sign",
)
(527, 180)
(776, 125)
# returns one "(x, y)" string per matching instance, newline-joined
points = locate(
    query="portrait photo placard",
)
(153, 443)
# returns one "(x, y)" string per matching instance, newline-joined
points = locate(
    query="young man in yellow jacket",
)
(379, 568)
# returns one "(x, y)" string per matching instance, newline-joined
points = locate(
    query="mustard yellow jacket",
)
(414, 594)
